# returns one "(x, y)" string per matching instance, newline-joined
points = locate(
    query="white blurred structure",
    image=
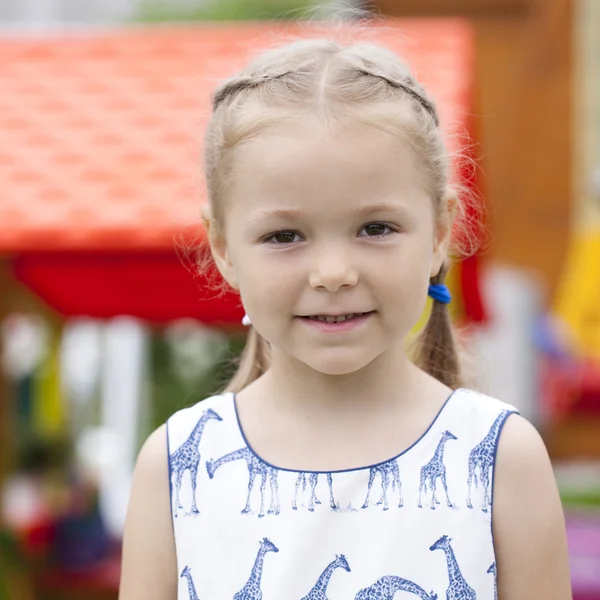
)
(507, 359)
(50, 12)
(124, 396)
(40, 13)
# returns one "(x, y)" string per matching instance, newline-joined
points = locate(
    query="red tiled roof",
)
(100, 131)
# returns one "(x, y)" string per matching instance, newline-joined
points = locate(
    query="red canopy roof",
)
(101, 130)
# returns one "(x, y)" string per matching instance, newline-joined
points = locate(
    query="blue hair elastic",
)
(440, 293)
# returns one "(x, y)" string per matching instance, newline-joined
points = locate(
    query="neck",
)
(258, 564)
(451, 560)
(197, 432)
(384, 383)
(191, 588)
(231, 457)
(439, 452)
(326, 576)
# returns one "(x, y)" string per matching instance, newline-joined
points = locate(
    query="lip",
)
(347, 325)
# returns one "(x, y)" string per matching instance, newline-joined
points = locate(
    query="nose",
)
(332, 271)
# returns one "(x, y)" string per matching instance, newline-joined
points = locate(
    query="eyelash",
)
(270, 239)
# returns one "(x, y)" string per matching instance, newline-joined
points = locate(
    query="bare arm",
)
(149, 560)
(529, 527)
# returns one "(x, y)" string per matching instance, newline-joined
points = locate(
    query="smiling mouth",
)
(337, 318)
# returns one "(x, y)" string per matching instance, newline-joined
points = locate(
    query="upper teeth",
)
(339, 319)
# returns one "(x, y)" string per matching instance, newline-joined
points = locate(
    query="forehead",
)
(310, 166)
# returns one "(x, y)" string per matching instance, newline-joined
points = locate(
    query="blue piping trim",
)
(512, 412)
(421, 437)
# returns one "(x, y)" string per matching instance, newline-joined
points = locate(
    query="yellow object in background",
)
(578, 298)
(48, 407)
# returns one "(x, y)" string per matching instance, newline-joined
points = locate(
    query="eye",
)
(376, 230)
(282, 238)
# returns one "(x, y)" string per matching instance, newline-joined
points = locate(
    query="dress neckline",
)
(412, 446)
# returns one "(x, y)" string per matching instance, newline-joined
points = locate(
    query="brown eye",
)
(284, 237)
(376, 230)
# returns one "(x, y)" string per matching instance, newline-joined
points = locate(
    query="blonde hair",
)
(361, 82)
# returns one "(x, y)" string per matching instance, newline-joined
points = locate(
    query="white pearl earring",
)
(246, 322)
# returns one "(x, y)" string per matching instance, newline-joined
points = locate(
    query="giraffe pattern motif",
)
(255, 468)
(382, 502)
(388, 470)
(191, 587)
(319, 591)
(458, 588)
(494, 572)
(482, 458)
(386, 588)
(313, 479)
(252, 591)
(434, 470)
(187, 458)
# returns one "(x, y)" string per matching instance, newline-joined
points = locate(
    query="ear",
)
(218, 246)
(443, 230)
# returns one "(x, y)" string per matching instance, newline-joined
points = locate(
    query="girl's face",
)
(321, 225)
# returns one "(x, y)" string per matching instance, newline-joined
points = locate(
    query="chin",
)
(342, 364)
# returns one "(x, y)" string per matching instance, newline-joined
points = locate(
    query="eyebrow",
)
(361, 212)
(384, 207)
(279, 214)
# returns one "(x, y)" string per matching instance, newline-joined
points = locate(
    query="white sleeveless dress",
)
(418, 524)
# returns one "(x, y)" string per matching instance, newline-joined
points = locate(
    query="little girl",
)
(333, 466)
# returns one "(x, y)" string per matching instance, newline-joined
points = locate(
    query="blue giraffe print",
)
(187, 458)
(435, 469)
(494, 572)
(313, 479)
(386, 588)
(255, 468)
(252, 591)
(482, 458)
(319, 591)
(458, 588)
(388, 470)
(191, 587)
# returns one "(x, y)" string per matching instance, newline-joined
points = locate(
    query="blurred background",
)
(106, 328)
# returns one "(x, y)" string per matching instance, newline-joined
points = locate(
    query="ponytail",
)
(436, 349)
(255, 360)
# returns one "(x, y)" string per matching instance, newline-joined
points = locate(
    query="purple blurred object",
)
(81, 541)
(583, 531)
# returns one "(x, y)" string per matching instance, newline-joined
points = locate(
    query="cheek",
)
(266, 282)
(404, 280)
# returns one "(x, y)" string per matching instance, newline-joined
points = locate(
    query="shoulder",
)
(152, 459)
(479, 402)
(521, 450)
(219, 403)
(528, 522)
(150, 487)
(212, 422)
(478, 416)
(219, 407)
(523, 465)
(149, 556)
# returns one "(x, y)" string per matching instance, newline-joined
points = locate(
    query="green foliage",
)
(10, 561)
(153, 11)
(589, 498)
(169, 394)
